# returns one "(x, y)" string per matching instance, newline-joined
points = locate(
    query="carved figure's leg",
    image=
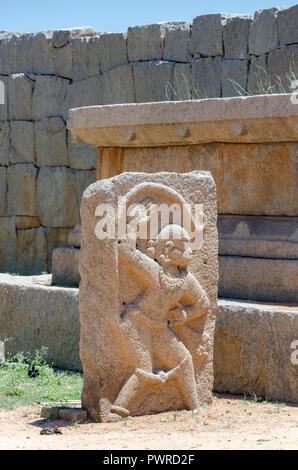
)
(128, 392)
(173, 354)
(136, 350)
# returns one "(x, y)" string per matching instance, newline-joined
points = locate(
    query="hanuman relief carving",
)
(169, 296)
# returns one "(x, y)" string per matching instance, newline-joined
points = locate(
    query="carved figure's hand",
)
(177, 316)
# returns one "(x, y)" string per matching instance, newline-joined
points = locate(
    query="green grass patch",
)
(18, 389)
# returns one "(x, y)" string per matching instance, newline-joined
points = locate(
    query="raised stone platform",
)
(254, 349)
(253, 340)
(33, 313)
(261, 279)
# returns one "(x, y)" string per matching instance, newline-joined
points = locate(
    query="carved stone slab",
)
(148, 301)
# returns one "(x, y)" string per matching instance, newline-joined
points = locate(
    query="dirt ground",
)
(229, 423)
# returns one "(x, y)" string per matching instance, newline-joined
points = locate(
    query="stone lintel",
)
(245, 119)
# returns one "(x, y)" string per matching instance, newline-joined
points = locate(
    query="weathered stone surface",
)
(20, 90)
(4, 143)
(235, 36)
(36, 315)
(48, 96)
(182, 82)
(62, 59)
(177, 42)
(65, 267)
(83, 180)
(267, 280)
(127, 316)
(234, 77)
(206, 35)
(82, 156)
(50, 142)
(153, 81)
(206, 77)
(110, 160)
(24, 222)
(26, 53)
(8, 246)
(56, 197)
(22, 142)
(118, 86)
(21, 182)
(258, 237)
(84, 93)
(32, 251)
(113, 52)
(4, 99)
(85, 57)
(3, 191)
(9, 51)
(56, 238)
(255, 179)
(278, 66)
(145, 42)
(287, 20)
(283, 68)
(42, 61)
(252, 350)
(258, 81)
(61, 37)
(245, 119)
(263, 35)
(74, 237)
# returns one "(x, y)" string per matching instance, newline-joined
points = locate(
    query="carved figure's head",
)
(171, 247)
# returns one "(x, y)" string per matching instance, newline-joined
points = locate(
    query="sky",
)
(114, 15)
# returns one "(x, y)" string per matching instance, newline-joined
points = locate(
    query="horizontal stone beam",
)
(246, 119)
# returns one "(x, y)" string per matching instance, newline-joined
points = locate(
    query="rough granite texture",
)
(22, 142)
(132, 361)
(263, 36)
(264, 279)
(4, 143)
(50, 142)
(254, 179)
(56, 195)
(206, 37)
(65, 267)
(3, 201)
(252, 350)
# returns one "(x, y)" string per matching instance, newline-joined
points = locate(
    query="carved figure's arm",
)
(136, 261)
(199, 304)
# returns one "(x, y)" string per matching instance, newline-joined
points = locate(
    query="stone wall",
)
(43, 174)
